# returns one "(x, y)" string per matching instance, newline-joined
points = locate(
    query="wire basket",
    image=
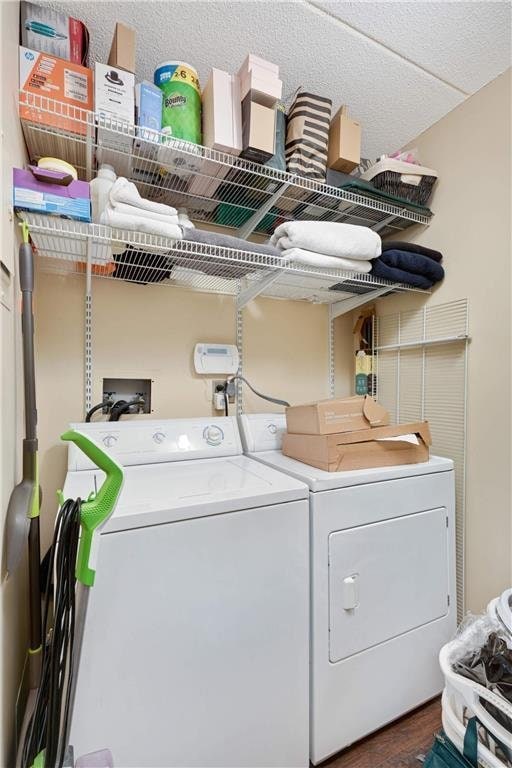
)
(411, 182)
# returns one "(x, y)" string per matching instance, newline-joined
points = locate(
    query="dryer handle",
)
(99, 507)
(351, 592)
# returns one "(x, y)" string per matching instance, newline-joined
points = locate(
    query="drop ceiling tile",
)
(466, 44)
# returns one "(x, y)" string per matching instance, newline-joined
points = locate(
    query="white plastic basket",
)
(455, 731)
(468, 693)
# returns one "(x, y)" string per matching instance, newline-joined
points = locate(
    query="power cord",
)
(123, 406)
(48, 726)
(229, 384)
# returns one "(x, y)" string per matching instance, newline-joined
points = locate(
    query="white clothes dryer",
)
(382, 586)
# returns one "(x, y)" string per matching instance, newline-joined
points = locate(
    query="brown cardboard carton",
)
(258, 131)
(333, 416)
(122, 50)
(364, 449)
(344, 152)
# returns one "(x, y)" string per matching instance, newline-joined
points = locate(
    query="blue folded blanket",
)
(415, 263)
(379, 269)
(400, 245)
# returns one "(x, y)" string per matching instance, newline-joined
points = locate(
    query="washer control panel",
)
(151, 442)
(262, 431)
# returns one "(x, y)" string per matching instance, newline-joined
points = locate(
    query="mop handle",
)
(97, 510)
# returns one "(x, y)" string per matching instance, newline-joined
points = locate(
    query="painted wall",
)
(13, 604)
(470, 148)
(150, 332)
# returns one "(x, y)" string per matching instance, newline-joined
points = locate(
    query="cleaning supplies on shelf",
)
(100, 190)
(344, 152)
(408, 267)
(330, 238)
(320, 260)
(46, 30)
(307, 135)
(181, 111)
(45, 191)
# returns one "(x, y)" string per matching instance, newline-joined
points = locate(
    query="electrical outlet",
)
(218, 386)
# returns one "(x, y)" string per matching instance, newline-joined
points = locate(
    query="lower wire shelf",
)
(66, 246)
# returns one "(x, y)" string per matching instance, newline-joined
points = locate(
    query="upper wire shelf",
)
(67, 246)
(215, 187)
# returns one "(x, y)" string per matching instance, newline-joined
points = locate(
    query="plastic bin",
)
(412, 182)
(455, 731)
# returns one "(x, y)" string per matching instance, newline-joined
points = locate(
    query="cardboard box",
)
(114, 106)
(222, 113)
(265, 90)
(344, 153)
(256, 63)
(46, 30)
(333, 416)
(122, 50)
(258, 131)
(148, 110)
(51, 192)
(364, 449)
(47, 77)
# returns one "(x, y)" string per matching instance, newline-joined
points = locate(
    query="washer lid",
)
(320, 480)
(161, 493)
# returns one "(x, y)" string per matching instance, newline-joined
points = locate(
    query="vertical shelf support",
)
(332, 374)
(240, 347)
(88, 329)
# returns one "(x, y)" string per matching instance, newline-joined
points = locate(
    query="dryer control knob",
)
(109, 440)
(272, 429)
(213, 435)
(159, 437)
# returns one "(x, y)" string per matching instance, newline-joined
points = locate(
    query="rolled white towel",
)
(349, 241)
(124, 191)
(131, 210)
(321, 260)
(112, 218)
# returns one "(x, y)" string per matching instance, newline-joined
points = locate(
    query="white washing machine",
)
(196, 639)
(382, 586)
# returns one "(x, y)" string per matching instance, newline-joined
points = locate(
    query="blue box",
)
(148, 110)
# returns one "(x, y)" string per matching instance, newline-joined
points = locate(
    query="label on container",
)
(76, 86)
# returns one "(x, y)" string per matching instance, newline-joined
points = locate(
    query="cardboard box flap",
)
(420, 428)
(375, 413)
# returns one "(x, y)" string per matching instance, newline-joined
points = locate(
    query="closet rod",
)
(422, 343)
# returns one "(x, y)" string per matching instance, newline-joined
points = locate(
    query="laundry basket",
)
(411, 182)
(464, 698)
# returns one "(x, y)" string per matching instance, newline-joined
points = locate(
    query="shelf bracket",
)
(250, 225)
(347, 305)
(248, 294)
(384, 223)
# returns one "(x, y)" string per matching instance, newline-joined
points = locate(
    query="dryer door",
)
(385, 579)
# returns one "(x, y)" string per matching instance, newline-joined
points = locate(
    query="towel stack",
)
(328, 245)
(409, 263)
(128, 210)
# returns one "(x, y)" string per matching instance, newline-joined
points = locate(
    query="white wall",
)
(13, 600)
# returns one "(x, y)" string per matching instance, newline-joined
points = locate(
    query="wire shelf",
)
(65, 247)
(215, 187)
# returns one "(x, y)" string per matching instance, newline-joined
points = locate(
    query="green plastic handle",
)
(98, 509)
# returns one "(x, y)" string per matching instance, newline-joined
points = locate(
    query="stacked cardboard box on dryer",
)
(352, 433)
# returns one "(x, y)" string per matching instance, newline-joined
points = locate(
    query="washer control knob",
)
(109, 440)
(213, 435)
(159, 437)
(272, 429)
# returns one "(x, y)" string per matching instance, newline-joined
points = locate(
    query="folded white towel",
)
(113, 218)
(321, 260)
(124, 191)
(349, 241)
(131, 210)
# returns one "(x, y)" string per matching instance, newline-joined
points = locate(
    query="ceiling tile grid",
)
(390, 62)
